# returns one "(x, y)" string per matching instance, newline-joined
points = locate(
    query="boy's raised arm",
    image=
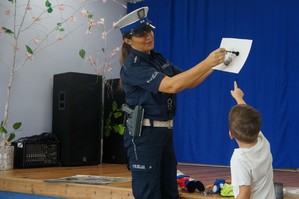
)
(237, 94)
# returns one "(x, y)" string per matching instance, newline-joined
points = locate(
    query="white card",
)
(233, 63)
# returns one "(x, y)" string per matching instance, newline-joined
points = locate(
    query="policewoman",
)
(150, 81)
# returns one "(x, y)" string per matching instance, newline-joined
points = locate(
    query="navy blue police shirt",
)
(141, 75)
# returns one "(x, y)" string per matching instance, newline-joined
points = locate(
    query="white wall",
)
(31, 97)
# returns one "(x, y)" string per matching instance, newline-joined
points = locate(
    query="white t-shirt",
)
(253, 166)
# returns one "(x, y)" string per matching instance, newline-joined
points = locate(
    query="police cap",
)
(135, 23)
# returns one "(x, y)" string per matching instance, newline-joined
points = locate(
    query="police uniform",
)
(151, 157)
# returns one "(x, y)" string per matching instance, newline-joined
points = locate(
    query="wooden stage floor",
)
(31, 181)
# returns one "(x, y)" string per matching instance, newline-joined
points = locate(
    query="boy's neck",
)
(246, 144)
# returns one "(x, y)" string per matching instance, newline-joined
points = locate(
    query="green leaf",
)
(121, 129)
(8, 31)
(103, 49)
(29, 50)
(17, 125)
(48, 4)
(111, 124)
(107, 130)
(50, 10)
(59, 28)
(115, 129)
(82, 53)
(108, 120)
(117, 114)
(3, 130)
(114, 106)
(89, 16)
(11, 137)
(12, 1)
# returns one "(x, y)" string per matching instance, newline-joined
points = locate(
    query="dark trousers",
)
(152, 162)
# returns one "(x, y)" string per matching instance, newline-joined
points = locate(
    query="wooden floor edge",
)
(77, 191)
(64, 190)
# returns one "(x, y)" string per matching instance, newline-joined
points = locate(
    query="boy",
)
(251, 163)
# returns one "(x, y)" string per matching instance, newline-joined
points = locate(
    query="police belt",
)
(156, 123)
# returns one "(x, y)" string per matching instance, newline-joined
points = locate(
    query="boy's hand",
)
(237, 94)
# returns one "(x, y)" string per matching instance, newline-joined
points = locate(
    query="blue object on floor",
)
(13, 195)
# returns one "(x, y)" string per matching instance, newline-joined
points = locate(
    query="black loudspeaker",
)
(77, 104)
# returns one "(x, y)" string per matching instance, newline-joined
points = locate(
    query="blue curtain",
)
(187, 31)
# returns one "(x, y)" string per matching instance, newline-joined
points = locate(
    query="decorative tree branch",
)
(13, 34)
(105, 56)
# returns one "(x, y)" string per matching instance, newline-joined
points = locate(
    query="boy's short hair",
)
(244, 123)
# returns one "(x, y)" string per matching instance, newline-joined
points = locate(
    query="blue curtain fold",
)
(187, 31)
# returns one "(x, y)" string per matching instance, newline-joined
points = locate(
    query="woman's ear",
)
(127, 41)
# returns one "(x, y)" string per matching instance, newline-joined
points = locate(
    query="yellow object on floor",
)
(227, 190)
